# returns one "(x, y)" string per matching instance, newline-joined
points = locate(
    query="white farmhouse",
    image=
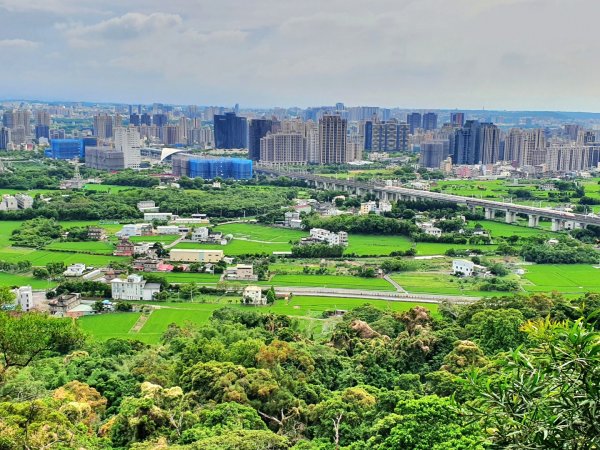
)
(25, 298)
(133, 288)
(253, 296)
(74, 270)
(462, 266)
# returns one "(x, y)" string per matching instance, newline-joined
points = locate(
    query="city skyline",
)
(465, 55)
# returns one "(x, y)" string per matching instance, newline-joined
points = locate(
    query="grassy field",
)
(43, 257)
(499, 229)
(261, 232)
(59, 251)
(369, 244)
(186, 277)
(436, 248)
(107, 326)
(8, 279)
(565, 278)
(102, 248)
(492, 190)
(438, 283)
(307, 309)
(106, 188)
(239, 247)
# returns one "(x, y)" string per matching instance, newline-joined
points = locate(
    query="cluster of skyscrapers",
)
(535, 150)
(114, 138)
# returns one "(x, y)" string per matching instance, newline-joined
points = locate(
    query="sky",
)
(470, 54)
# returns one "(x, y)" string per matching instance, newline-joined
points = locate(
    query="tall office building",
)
(332, 139)
(414, 121)
(183, 130)
(19, 121)
(134, 119)
(145, 119)
(160, 119)
(476, 143)
(257, 129)
(523, 147)
(4, 138)
(430, 121)
(367, 132)
(464, 144)
(311, 133)
(127, 141)
(42, 117)
(231, 131)
(390, 136)
(283, 148)
(489, 141)
(42, 131)
(433, 153)
(103, 126)
(570, 157)
(457, 119)
(170, 135)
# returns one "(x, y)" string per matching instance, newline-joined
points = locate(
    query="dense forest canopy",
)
(511, 372)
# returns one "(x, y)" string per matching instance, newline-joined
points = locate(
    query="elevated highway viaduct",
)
(561, 220)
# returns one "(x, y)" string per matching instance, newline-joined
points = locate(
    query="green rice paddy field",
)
(438, 283)
(307, 309)
(564, 278)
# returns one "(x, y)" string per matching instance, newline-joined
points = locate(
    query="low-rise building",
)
(61, 305)
(24, 298)
(463, 267)
(373, 207)
(189, 221)
(320, 235)
(241, 272)
(147, 206)
(291, 219)
(124, 247)
(253, 296)
(192, 255)
(143, 248)
(384, 206)
(367, 207)
(135, 229)
(9, 203)
(200, 234)
(167, 229)
(74, 270)
(430, 229)
(24, 201)
(133, 288)
(96, 233)
(151, 216)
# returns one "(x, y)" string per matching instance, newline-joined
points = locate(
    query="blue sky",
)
(497, 54)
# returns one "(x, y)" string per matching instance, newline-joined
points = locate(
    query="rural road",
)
(393, 283)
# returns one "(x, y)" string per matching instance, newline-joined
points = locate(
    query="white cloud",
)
(416, 53)
(17, 43)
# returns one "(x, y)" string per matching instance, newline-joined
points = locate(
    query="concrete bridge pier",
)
(490, 213)
(511, 216)
(534, 220)
(558, 224)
